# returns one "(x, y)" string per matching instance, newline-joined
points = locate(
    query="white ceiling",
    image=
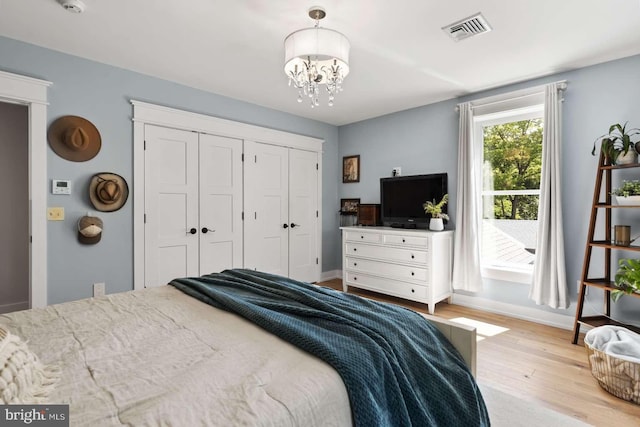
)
(400, 57)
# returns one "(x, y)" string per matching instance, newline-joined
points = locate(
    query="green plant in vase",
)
(617, 144)
(435, 210)
(628, 188)
(627, 278)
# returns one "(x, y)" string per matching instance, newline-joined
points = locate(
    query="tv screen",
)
(402, 197)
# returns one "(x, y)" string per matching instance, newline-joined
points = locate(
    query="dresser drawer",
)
(386, 253)
(353, 236)
(387, 286)
(419, 242)
(402, 272)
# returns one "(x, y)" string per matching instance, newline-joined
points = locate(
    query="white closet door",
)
(266, 208)
(220, 228)
(171, 204)
(303, 219)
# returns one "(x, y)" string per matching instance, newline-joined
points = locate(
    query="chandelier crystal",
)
(316, 57)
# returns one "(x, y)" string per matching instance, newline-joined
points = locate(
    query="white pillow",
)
(23, 379)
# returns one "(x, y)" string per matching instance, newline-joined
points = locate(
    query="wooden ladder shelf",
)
(605, 283)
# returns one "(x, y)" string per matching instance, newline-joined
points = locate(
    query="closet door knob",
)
(293, 225)
(205, 230)
(285, 225)
(192, 231)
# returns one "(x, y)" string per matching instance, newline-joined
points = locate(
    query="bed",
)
(159, 356)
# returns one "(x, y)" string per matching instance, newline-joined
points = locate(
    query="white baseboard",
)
(330, 275)
(519, 312)
(9, 308)
(512, 310)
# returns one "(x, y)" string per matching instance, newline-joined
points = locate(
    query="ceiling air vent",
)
(471, 26)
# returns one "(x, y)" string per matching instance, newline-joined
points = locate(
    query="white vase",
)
(627, 201)
(629, 158)
(436, 224)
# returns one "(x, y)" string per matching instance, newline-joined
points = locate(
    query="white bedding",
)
(159, 357)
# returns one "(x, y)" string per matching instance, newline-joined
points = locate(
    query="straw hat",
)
(74, 138)
(89, 230)
(108, 192)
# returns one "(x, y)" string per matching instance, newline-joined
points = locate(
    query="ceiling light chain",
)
(314, 57)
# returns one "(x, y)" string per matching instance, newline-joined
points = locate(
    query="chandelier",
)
(316, 57)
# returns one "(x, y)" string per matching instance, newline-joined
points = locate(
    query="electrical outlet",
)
(55, 214)
(98, 289)
(397, 171)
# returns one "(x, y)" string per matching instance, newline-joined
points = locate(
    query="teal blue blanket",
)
(398, 369)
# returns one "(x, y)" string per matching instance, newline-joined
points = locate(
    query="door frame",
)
(32, 93)
(146, 113)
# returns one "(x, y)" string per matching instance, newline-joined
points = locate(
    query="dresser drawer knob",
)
(403, 240)
(355, 249)
(355, 264)
(355, 278)
(413, 256)
(362, 237)
(413, 291)
(413, 274)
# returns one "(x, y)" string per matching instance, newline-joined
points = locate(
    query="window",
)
(511, 164)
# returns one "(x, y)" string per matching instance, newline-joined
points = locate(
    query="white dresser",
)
(411, 264)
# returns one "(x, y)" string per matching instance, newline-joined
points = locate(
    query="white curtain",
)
(549, 277)
(466, 253)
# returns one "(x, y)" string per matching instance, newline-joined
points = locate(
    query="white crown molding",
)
(180, 119)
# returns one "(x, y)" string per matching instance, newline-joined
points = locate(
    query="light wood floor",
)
(534, 362)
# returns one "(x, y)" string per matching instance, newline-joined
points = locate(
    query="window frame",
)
(514, 273)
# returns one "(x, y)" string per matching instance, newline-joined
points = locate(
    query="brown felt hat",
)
(108, 192)
(89, 230)
(74, 138)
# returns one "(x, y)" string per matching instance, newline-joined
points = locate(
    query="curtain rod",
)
(537, 90)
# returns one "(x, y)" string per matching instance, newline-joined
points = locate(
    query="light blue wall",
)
(420, 140)
(101, 94)
(424, 140)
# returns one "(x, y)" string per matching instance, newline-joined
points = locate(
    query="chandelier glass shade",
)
(316, 57)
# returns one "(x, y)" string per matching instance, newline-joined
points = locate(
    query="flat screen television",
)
(402, 197)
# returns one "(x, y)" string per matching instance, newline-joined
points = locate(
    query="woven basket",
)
(617, 376)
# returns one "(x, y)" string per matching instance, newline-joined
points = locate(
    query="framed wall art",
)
(351, 169)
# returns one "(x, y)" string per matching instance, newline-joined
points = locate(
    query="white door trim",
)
(146, 113)
(33, 93)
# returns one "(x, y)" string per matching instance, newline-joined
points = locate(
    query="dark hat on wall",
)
(74, 138)
(108, 192)
(89, 230)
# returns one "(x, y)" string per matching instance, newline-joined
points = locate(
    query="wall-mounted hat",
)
(74, 138)
(89, 230)
(108, 191)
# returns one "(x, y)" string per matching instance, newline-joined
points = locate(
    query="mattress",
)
(160, 357)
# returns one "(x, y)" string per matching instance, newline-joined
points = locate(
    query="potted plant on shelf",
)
(617, 145)
(628, 193)
(627, 278)
(435, 210)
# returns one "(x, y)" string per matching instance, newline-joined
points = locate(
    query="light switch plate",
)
(55, 214)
